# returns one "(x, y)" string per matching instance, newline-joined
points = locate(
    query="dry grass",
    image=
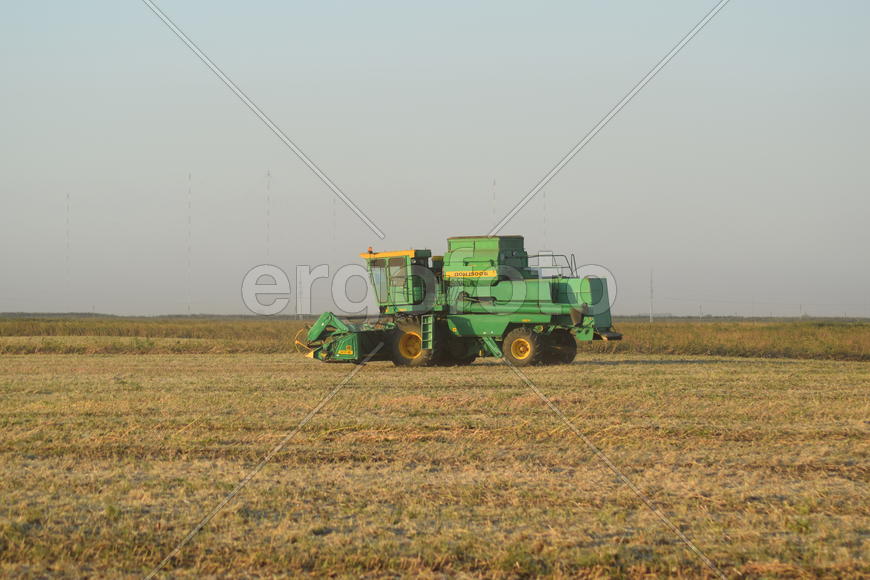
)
(833, 340)
(103, 335)
(109, 459)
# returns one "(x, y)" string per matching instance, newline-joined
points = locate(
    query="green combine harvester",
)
(482, 298)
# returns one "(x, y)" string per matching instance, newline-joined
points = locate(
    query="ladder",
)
(427, 325)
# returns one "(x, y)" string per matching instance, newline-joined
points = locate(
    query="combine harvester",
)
(481, 298)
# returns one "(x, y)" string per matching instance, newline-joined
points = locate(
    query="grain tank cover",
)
(480, 257)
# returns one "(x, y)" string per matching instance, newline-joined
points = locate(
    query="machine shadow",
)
(669, 362)
(657, 362)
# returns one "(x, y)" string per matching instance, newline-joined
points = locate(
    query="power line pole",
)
(493, 199)
(268, 211)
(544, 199)
(650, 296)
(67, 291)
(334, 247)
(189, 220)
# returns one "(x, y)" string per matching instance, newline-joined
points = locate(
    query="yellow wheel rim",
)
(410, 345)
(521, 349)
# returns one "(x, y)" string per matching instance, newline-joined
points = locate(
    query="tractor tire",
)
(407, 345)
(561, 348)
(523, 347)
(456, 352)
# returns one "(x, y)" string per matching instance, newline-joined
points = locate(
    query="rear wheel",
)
(561, 348)
(457, 352)
(407, 345)
(523, 347)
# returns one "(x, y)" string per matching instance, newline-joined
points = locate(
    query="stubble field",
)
(110, 456)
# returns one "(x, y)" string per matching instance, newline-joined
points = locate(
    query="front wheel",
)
(523, 347)
(407, 346)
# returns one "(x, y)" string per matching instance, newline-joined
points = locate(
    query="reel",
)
(300, 341)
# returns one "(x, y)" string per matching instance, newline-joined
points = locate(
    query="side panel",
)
(343, 347)
(494, 325)
(599, 304)
(355, 346)
(589, 291)
(477, 324)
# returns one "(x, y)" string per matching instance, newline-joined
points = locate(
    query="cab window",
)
(379, 278)
(398, 272)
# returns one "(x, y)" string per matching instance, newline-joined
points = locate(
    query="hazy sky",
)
(740, 174)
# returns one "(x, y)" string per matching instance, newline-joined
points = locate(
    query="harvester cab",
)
(483, 297)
